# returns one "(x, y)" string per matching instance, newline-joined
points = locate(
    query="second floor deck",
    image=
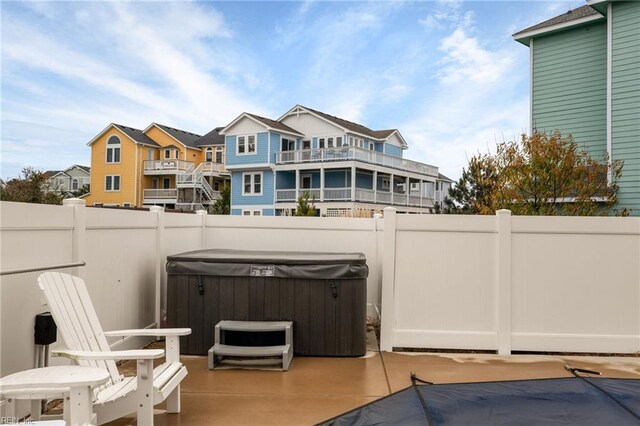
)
(175, 166)
(352, 153)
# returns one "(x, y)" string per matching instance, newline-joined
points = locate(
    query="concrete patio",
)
(316, 389)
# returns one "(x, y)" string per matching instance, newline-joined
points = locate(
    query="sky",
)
(447, 74)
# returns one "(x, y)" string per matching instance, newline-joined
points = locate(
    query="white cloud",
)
(466, 60)
(447, 14)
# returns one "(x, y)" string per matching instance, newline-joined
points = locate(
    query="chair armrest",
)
(155, 332)
(110, 355)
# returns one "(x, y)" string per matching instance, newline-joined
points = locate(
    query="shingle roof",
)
(212, 138)
(137, 135)
(571, 15)
(444, 178)
(187, 138)
(51, 173)
(85, 168)
(275, 124)
(353, 127)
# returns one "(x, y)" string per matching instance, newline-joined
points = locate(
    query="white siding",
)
(310, 125)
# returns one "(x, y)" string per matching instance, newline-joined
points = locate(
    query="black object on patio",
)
(564, 401)
(323, 294)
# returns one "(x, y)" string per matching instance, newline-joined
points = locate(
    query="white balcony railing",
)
(361, 195)
(166, 166)
(210, 167)
(357, 154)
(160, 194)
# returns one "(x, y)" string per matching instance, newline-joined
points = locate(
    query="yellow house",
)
(159, 165)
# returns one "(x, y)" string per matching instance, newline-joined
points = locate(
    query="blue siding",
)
(236, 212)
(392, 150)
(268, 212)
(259, 157)
(336, 179)
(275, 147)
(364, 180)
(237, 199)
(285, 180)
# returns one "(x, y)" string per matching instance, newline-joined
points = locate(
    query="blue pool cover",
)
(564, 401)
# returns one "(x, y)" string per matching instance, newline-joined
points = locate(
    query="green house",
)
(585, 80)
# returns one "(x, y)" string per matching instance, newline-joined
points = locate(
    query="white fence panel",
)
(576, 284)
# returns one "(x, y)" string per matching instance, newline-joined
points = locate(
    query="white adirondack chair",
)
(78, 324)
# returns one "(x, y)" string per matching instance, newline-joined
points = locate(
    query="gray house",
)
(69, 180)
(585, 80)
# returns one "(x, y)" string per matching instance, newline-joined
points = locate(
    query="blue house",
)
(347, 168)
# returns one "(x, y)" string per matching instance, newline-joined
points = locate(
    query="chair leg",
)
(173, 401)
(145, 393)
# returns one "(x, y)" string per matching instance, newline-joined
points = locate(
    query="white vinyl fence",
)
(511, 283)
(457, 282)
(125, 253)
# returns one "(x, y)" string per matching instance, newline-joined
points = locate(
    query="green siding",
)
(625, 100)
(570, 85)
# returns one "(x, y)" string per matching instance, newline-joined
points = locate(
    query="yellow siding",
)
(126, 169)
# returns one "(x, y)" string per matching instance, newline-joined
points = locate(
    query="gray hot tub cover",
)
(269, 264)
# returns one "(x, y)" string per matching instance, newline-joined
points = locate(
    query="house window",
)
(166, 183)
(321, 143)
(219, 155)
(167, 154)
(306, 181)
(252, 183)
(351, 141)
(339, 141)
(208, 156)
(246, 144)
(372, 146)
(251, 213)
(385, 183)
(306, 144)
(112, 183)
(149, 154)
(74, 184)
(330, 143)
(288, 145)
(113, 149)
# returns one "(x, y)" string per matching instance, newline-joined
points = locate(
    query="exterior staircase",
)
(193, 178)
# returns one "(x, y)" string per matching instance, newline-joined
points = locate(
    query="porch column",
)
(421, 191)
(392, 187)
(321, 184)
(297, 183)
(407, 190)
(375, 186)
(353, 183)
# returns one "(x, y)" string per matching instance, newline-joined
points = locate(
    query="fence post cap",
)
(504, 211)
(201, 212)
(156, 209)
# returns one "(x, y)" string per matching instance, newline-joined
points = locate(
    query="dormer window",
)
(246, 144)
(219, 155)
(167, 154)
(113, 149)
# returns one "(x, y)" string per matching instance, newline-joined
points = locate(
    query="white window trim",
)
(252, 212)
(255, 151)
(208, 153)
(113, 146)
(112, 183)
(295, 142)
(252, 174)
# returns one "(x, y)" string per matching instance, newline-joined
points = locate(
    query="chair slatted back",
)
(76, 318)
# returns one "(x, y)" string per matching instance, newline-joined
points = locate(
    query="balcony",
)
(213, 169)
(361, 195)
(160, 196)
(352, 153)
(166, 167)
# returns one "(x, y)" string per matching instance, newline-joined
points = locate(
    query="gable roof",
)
(349, 125)
(85, 168)
(276, 125)
(267, 122)
(570, 18)
(212, 138)
(135, 135)
(444, 178)
(186, 138)
(51, 173)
